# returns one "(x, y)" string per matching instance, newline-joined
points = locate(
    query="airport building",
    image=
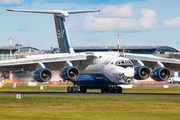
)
(18, 52)
(22, 51)
(130, 49)
(162, 51)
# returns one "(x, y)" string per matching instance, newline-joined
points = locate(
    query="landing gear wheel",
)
(107, 90)
(69, 89)
(102, 90)
(73, 89)
(119, 89)
(83, 90)
(76, 89)
(115, 90)
(112, 89)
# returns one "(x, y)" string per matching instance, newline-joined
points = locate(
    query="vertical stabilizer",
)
(62, 34)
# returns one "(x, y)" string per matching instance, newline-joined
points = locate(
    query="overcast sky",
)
(141, 22)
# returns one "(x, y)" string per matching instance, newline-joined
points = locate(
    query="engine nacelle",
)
(69, 73)
(42, 75)
(161, 74)
(142, 72)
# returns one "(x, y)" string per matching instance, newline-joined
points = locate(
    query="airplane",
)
(90, 70)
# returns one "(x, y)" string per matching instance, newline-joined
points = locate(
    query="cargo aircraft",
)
(90, 70)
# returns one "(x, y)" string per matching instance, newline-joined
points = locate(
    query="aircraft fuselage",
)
(106, 68)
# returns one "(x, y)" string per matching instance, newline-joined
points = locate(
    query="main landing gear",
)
(76, 89)
(112, 89)
(72, 89)
(83, 89)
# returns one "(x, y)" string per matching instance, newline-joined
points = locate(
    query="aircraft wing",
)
(51, 61)
(154, 62)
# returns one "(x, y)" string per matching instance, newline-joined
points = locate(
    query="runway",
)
(93, 93)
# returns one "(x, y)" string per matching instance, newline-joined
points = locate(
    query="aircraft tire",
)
(107, 90)
(69, 89)
(112, 89)
(102, 90)
(73, 89)
(115, 90)
(76, 89)
(119, 90)
(83, 89)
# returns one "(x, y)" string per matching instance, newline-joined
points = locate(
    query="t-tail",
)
(60, 23)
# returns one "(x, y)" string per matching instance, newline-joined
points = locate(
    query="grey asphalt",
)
(89, 93)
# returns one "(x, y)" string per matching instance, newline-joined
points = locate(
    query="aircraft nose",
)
(118, 76)
(124, 76)
(122, 79)
(129, 72)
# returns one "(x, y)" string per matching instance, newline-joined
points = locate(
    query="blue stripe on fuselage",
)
(93, 78)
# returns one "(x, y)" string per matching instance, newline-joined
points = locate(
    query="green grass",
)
(89, 107)
(33, 88)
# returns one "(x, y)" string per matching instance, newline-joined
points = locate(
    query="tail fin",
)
(61, 28)
(62, 35)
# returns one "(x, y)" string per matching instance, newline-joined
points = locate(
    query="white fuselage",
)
(108, 66)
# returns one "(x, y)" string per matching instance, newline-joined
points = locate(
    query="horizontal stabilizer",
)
(58, 12)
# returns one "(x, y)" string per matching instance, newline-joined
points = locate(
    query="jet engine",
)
(42, 75)
(141, 72)
(161, 74)
(69, 73)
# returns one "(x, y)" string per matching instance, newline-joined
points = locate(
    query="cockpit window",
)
(123, 62)
(118, 63)
(130, 63)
